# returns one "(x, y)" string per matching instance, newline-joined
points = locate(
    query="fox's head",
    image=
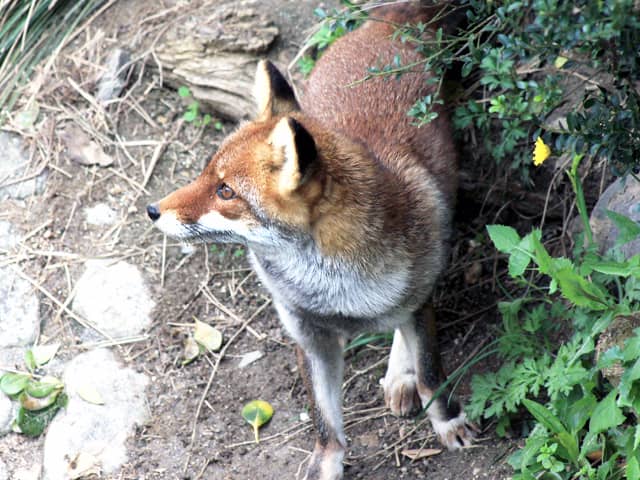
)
(259, 185)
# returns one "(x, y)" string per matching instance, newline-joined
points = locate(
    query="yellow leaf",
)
(541, 152)
(84, 465)
(560, 61)
(207, 336)
(191, 350)
(43, 353)
(89, 394)
(257, 413)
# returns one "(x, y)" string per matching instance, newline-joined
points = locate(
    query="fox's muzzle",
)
(153, 211)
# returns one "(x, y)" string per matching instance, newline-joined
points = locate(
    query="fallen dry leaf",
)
(473, 273)
(191, 350)
(89, 394)
(84, 465)
(248, 358)
(418, 453)
(207, 336)
(81, 149)
(595, 456)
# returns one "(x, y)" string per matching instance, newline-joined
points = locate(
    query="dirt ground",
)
(215, 285)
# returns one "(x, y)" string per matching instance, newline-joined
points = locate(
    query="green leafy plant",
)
(518, 59)
(40, 397)
(585, 424)
(193, 114)
(335, 24)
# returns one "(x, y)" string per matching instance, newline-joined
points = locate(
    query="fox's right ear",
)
(273, 94)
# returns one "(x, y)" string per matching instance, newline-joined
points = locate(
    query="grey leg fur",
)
(322, 369)
(414, 375)
(321, 364)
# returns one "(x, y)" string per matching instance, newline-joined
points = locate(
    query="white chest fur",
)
(305, 279)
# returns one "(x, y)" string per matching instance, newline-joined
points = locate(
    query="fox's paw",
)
(401, 394)
(454, 433)
(325, 463)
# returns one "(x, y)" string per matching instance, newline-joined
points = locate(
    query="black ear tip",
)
(279, 83)
(305, 144)
(271, 69)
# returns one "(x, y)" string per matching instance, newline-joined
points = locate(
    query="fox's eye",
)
(225, 192)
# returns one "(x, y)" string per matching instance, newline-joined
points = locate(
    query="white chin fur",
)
(214, 222)
(169, 224)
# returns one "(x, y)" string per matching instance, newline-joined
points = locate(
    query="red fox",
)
(345, 207)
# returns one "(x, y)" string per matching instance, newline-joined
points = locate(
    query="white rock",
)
(9, 237)
(6, 414)
(31, 473)
(15, 165)
(12, 357)
(114, 297)
(100, 214)
(97, 430)
(249, 358)
(19, 322)
(3, 471)
(188, 249)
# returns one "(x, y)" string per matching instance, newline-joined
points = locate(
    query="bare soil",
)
(218, 444)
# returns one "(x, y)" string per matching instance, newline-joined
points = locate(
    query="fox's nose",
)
(153, 211)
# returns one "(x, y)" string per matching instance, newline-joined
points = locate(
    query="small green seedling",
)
(193, 114)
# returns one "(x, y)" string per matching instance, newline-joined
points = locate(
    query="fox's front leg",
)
(321, 365)
(414, 375)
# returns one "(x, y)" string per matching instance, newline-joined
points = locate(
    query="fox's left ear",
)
(273, 94)
(299, 154)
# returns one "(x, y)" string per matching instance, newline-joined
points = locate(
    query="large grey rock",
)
(622, 196)
(16, 165)
(9, 237)
(28, 473)
(6, 414)
(12, 357)
(114, 297)
(95, 431)
(19, 322)
(3, 471)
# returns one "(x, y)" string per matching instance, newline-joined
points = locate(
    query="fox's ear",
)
(299, 154)
(273, 94)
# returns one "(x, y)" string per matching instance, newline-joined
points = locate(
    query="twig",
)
(347, 383)
(220, 306)
(82, 321)
(221, 355)
(115, 342)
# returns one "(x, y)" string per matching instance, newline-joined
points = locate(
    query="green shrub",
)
(586, 426)
(519, 56)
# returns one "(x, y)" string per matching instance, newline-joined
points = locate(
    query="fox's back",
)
(374, 111)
